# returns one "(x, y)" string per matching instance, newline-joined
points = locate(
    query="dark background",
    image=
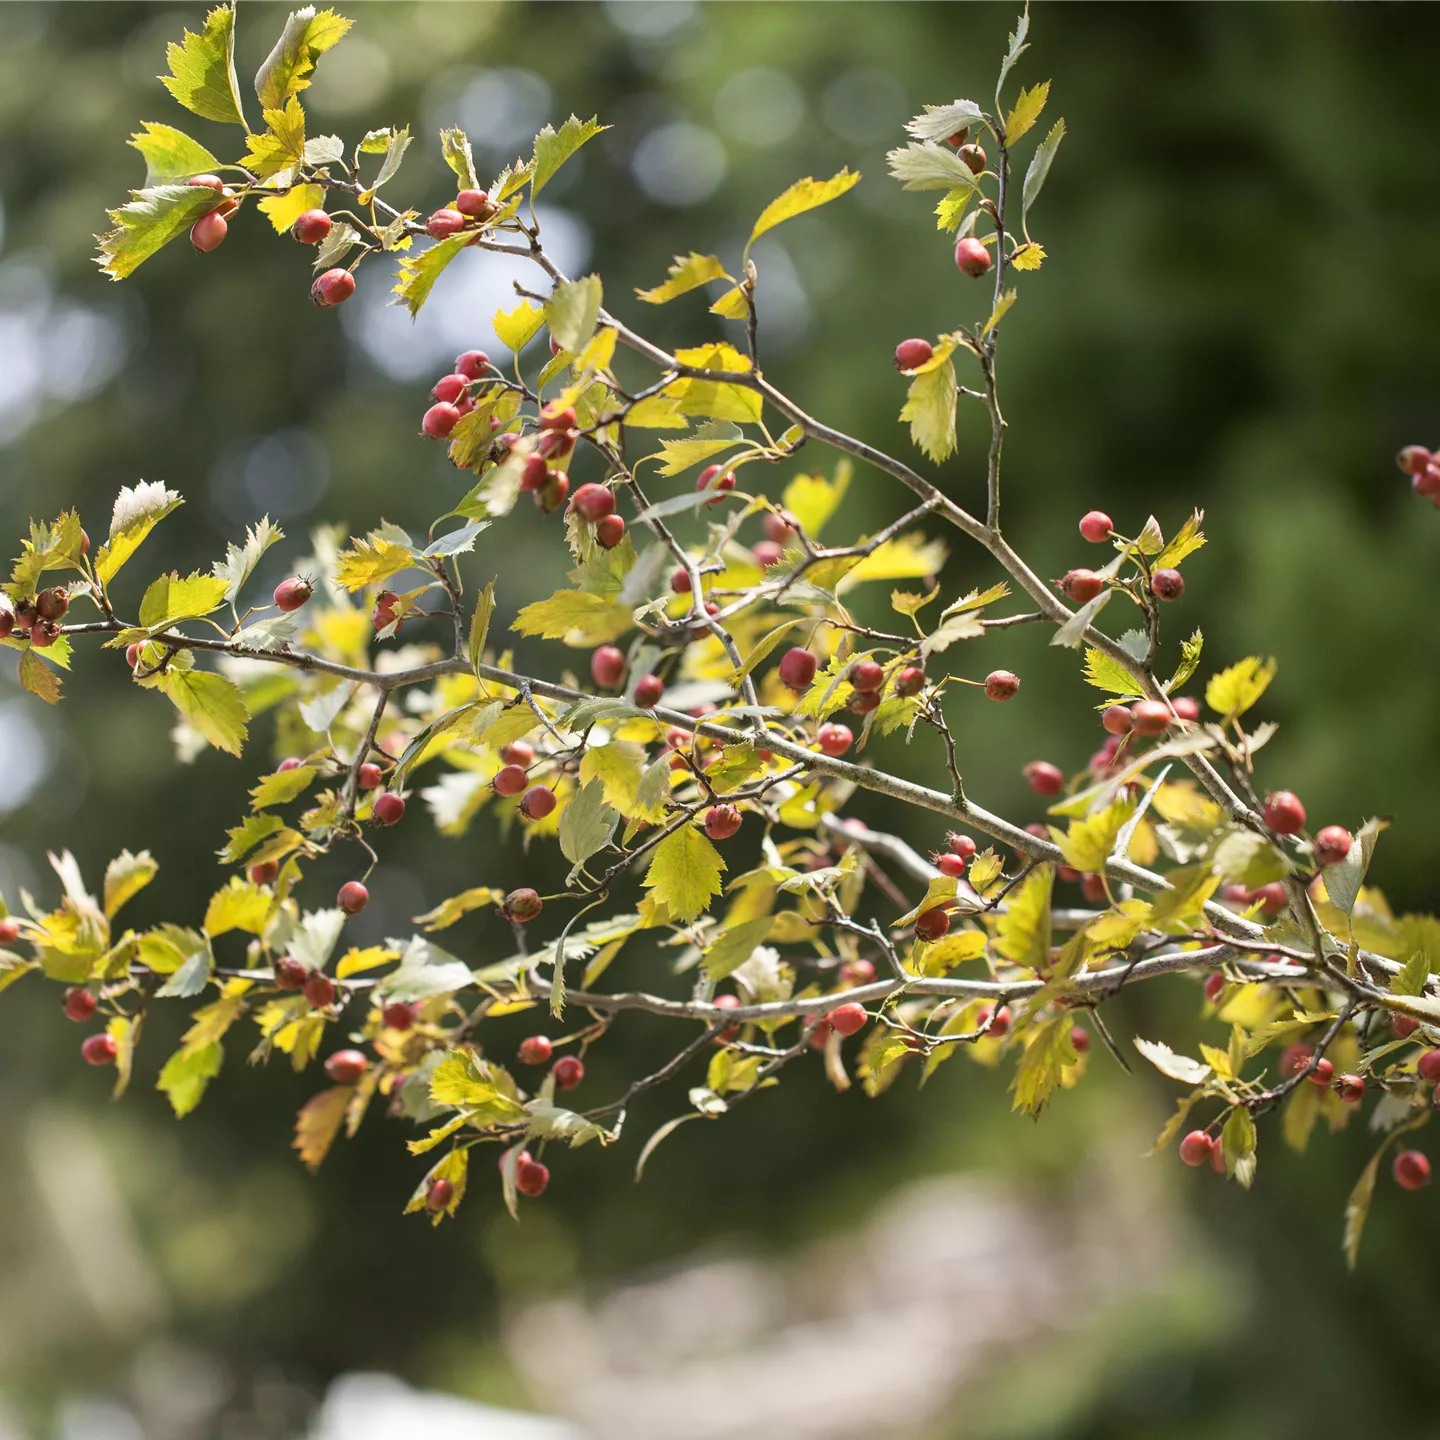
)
(1237, 312)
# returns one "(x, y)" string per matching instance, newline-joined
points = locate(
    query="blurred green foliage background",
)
(1237, 312)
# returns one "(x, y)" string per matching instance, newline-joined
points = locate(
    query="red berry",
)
(311, 227)
(44, 633)
(265, 872)
(293, 593)
(1079, 1038)
(1195, 1148)
(518, 752)
(208, 231)
(440, 419)
(712, 479)
(557, 417)
(778, 528)
(551, 495)
(1271, 897)
(932, 924)
(1000, 1026)
(557, 444)
(847, 1019)
(797, 668)
(510, 780)
(862, 702)
(727, 1002)
(1081, 585)
(767, 553)
(834, 740)
(384, 616)
(522, 905)
(535, 1050)
(99, 1049)
(722, 821)
(1096, 526)
(449, 388)
(1283, 812)
(7, 628)
(857, 972)
(680, 581)
(353, 897)
(1044, 778)
(1214, 984)
(1117, 719)
(1404, 1026)
(472, 364)
(319, 989)
(398, 1015)
(819, 1033)
(531, 1177)
(867, 675)
(1428, 1065)
(1323, 1073)
(290, 974)
(475, 203)
(609, 531)
(1294, 1058)
(962, 845)
(439, 1196)
(1092, 887)
(593, 502)
(334, 287)
(1332, 845)
(971, 257)
(1411, 1169)
(1150, 717)
(956, 140)
(1186, 708)
(369, 776)
(389, 808)
(52, 604)
(648, 690)
(345, 1067)
(910, 680)
(79, 1003)
(1427, 482)
(1167, 584)
(607, 667)
(537, 802)
(973, 156)
(1350, 1088)
(9, 930)
(569, 1071)
(1001, 685)
(444, 223)
(1412, 459)
(912, 354)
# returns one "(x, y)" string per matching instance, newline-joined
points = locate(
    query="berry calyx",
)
(1167, 584)
(1410, 1168)
(1002, 685)
(1118, 720)
(847, 1019)
(290, 974)
(912, 354)
(44, 633)
(79, 1003)
(962, 845)
(369, 776)
(834, 740)
(866, 675)
(531, 1177)
(318, 989)
(1044, 778)
(910, 680)
(537, 802)
(291, 594)
(345, 1067)
(607, 667)
(334, 287)
(518, 752)
(398, 1015)
(440, 419)
(521, 906)
(722, 821)
(1195, 1148)
(569, 1071)
(648, 690)
(440, 1195)
(474, 203)
(1096, 526)
(609, 532)
(449, 388)
(208, 231)
(1332, 845)
(1294, 1058)
(353, 897)
(1350, 1088)
(1283, 812)
(510, 780)
(593, 502)
(932, 924)
(472, 364)
(444, 223)
(100, 1049)
(797, 668)
(971, 257)
(389, 808)
(1081, 585)
(535, 1050)
(311, 227)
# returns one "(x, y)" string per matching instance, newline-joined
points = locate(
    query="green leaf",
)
(185, 1075)
(171, 599)
(709, 439)
(372, 561)
(238, 905)
(573, 311)
(684, 874)
(689, 272)
(38, 678)
(1040, 167)
(803, 195)
(282, 786)
(1026, 112)
(202, 69)
(518, 327)
(418, 273)
(136, 512)
(397, 142)
(1357, 1209)
(553, 148)
(1343, 881)
(153, 217)
(287, 68)
(1234, 690)
(732, 947)
(212, 704)
(587, 825)
(1089, 841)
(1107, 674)
(455, 149)
(480, 623)
(1022, 930)
(1017, 48)
(1189, 662)
(1188, 539)
(1412, 979)
(1042, 1065)
(939, 122)
(575, 616)
(50, 547)
(170, 154)
(1238, 1140)
(247, 835)
(928, 166)
(1072, 632)
(238, 563)
(663, 1133)
(1001, 310)
(126, 876)
(1184, 902)
(930, 409)
(425, 971)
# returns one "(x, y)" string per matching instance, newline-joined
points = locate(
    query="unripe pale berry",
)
(1117, 720)
(1096, 526)
(1350, 1088)
(1332, 845)
(9, 930)
(522, 905)
(398, 1015)
(607, 667)
(1428, 1065)
(912, 354)
(932, 924)
(1001, 685)
(1150, 717)
(1186, 707)
(648, 690)
(1044, 778)
(971, 257)
(311, 227)
(100, 1049)
(593, 502)
(1413, 459)
(797, 668)
(727, 1002)
(722, 821)
(345, 1067)
(353, 897)
(609, 531)
(79, 1003)
(974, 158)
(1000, 1025)
(535, 1050)
(444, 223)
(910, 680)
(1410, 1168)
(369, 776)
(440, 419)
(1195, 1148)
(450, 388)
(518, 752)
(474, 203)
(291, 594)
(847, 1019)
(537, 802)
(1167, 584)
(510, 780)
(208, 231)
(962, 845)
(439, 1195)
(472, 364)
(867, 675)
(389, 809)
(1081, 585)
(569, 1071)
(1283, 812)
(834, 740)
(290, 974)
(334, 287)
(318, 989)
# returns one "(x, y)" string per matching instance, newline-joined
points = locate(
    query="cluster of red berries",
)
(211, 228)
(536, 801)
(549, 486)
(1423, 468)
(451, 394)
(37, 620)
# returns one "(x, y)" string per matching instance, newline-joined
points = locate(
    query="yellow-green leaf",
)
(202, 69)
(213, 705)
(38, 678)
(1089, 841)
(125, 877)
(573, 311)
(170, 154)
(1026, 112)
(1022, 930)
(282, 787)
(171, 599)
(151, 219)
(288, 66)
(1107, 674)
(1235, 689)
(575, 616)
(318, 1123)
(930, 410)
(518, 327)
(237, 906)
(1042, 1065)
(803, 195)
(417, 274)
(371, 561)
(553, 148)
(185, 1075)
(284, 210)
(684, 874)
(689, 272)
